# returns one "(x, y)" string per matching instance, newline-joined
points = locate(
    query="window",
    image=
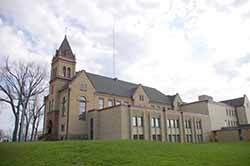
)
(135, 136)
(62, 128)
(188, 124)
(69, 72)
(83, 87)
(52, 89)
(126, 103)
(225, 123)
(64, 71)
(174, 138)
(139, 121)
(177, 123)
(168, 123)
(118, 102)
(63, 106)
(154, 137)
(157, 122)
(141, 136)
(53, 74)
(49, 106)
(110, 103)
(198, 124)
(141, 97)
(101, 103)
(82, 104)
(134, 121)
(52, 104)
(153, 122)
(170, 138)
(199, 138)
(159, 137)
(171, 123)
(189, 138)
(178, 138)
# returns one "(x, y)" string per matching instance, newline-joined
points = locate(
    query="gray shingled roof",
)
(117, 87)
(65, 48)
(234, 102)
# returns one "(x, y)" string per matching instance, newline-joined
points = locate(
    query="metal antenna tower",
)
(114, 72)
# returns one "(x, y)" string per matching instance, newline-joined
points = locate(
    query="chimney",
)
(205, 97)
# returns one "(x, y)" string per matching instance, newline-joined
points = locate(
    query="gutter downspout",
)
(183, 128)
(237, 116)
(67, 130)
(45, 114)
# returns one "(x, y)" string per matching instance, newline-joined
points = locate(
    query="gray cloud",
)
(243, 60)
(225, 70)
(238, 3)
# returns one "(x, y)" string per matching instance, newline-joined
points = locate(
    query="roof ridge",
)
(111, 78)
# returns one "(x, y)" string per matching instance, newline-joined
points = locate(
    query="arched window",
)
(69, 72)
(64, 71)
(49, 127)
(82, 104)
(63, 106)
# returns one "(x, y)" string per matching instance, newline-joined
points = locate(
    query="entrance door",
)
(91, 128)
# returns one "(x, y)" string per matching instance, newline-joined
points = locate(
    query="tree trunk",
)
(26, 131)
(14, 134)
(37, 124)
(20, 134)
(33, 129)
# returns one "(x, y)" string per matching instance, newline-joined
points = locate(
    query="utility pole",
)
(114, 73)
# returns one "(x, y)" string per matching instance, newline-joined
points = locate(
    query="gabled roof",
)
(117, 87)
(234, 102)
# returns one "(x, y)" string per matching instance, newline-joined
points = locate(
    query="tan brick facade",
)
(83, 105)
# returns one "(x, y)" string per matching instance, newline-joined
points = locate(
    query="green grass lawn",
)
(143, 153)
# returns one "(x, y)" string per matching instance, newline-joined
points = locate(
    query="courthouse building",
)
(83, 105)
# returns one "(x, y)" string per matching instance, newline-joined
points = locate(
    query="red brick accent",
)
(54, 118)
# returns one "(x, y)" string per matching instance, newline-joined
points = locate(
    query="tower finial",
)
(65, 31)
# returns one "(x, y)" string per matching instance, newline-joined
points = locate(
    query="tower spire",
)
(65, 49)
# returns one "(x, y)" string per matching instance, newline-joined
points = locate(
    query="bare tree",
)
(1, 134)
(19, 83)
(37, 113)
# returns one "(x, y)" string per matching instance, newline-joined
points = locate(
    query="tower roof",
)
(65, 49)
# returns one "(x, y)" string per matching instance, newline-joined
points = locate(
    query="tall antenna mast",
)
(66, 30)
(114, 74)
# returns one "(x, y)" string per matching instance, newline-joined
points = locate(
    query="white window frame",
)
(101, 103)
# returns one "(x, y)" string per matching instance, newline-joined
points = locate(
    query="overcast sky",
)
(185, 46)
